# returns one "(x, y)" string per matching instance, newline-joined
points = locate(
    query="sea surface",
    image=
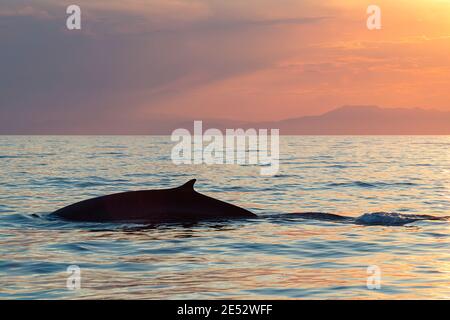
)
(384, 184)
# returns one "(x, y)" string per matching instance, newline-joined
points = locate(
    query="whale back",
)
(177, 204)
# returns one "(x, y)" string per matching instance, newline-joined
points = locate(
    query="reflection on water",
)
(267, 257)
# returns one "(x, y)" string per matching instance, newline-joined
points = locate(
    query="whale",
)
(178, 204)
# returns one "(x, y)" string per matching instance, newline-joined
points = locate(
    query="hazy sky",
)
(236, 59)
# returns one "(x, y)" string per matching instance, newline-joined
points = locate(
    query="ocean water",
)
(383, 184)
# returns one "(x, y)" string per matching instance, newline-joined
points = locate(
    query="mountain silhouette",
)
(355, 120)
(346, 120)
(368, 120)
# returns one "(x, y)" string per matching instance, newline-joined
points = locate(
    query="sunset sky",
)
(245, 60)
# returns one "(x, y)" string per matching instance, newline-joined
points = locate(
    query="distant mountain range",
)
(367, 120)
(349, 120)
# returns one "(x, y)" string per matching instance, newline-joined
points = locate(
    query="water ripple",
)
(370, 201)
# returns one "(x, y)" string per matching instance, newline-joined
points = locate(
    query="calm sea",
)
(274, 256)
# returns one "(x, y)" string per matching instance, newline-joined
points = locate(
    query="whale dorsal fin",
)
(188, 186)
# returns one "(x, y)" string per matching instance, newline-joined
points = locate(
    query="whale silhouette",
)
(156, 206)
